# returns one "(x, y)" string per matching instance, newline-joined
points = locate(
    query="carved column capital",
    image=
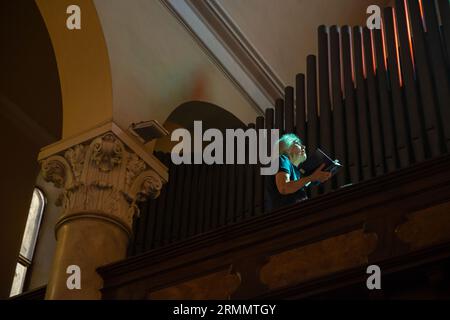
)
(103, 175)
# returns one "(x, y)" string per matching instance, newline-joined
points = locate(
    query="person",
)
(287, 186)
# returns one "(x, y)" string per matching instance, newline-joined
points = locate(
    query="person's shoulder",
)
(285, 164)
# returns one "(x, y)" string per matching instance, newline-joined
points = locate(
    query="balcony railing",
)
(399, 221)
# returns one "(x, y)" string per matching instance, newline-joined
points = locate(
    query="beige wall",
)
(30, 117)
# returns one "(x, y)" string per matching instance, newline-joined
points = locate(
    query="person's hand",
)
(320, 175)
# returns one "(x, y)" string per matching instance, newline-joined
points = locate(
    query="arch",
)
(83, 65)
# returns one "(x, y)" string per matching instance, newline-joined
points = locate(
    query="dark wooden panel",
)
(313, 125)
(300, 107)
(184, 213)
(324, 97)
(269, 124)
(289, 109)
(194, 194)
(269, 118)
(204, 215)
(387, 123)
(313, 122)
(231, 191)
(444, 10)
(374, 112)
(208, 213)
(223, 194)
(258, 179)
(424, 79)
(201, 193)
(141, 228)
(239, 189)
(301, 128)
(131, 250)
(338, 108)
(421, 190)
(148, 240)
(414, 111)
(168, 209)
(178, 200)
(155, 211)
(132, 246)
(365, 142)
(249, 182)
(399, 112)
(160, 217)
(279, 115)
(350, 112)
(170, 202)
(438, 67)
(215, 204)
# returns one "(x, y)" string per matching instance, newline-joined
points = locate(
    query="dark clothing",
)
(273, 198)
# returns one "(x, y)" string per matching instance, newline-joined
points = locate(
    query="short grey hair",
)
(287, 141)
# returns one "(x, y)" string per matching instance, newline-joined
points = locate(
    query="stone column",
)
(102, 174)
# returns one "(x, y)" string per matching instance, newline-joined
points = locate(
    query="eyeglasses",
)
(300, 145)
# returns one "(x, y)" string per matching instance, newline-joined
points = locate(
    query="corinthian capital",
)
(147, 185)
(105, 173)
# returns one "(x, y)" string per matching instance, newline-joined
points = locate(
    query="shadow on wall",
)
(212, 116)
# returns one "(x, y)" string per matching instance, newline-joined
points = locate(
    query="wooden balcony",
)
(319, 248)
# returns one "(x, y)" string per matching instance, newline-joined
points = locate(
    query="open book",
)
(315, 160)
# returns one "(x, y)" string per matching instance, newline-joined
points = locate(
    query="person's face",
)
(298, 153)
